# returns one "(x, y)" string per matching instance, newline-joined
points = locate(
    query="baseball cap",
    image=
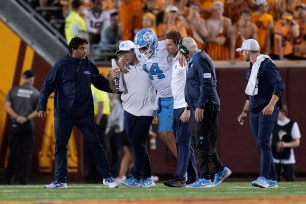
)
(249, 44)
(171, 8)
(261, 2)
(28, 74)
(125, 46)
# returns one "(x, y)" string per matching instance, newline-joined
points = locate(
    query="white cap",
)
(125, 46)
(261, 2)
(171, 8)
(249, 44)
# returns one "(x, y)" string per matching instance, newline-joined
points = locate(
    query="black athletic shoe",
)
(175, 182)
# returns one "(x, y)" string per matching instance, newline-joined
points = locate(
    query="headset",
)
(182, 49)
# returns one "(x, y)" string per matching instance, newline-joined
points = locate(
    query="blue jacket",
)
(269, 82)
(201, 82)
(71, 78)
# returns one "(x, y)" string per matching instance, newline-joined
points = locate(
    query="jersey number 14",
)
(154, 71)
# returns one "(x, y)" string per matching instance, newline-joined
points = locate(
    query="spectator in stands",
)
(66, 7)
(149, 21)
(172, 22)
(233, 8)
(276, 9)
(284, 31)
(299, 43)
(111, 35)
(264, 23)
(218, 28)
(243, 29)
(286, 136)
(74, 24)
(130, 16)
(96, 19)
(20, 104)
(197, 25)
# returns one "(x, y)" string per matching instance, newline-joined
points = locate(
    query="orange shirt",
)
(283, 32)
(262, 23)
(162, 29)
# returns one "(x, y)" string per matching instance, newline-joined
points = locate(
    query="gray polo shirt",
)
(23, 99)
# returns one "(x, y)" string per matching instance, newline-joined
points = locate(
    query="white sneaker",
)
(56, 184)
(119, 179)
(110, 182)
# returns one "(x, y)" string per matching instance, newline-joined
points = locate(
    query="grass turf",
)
(79, 192)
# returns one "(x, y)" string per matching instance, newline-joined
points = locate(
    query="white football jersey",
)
(95, 22)
(159, 69)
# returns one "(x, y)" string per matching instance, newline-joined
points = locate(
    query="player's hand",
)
(21, 119)
(113, 74)
(242, 117)
(122, 65)
(182, 59)
(280, 146)
(42, 114)
(199, 114)
(268, 110)
(185, 116)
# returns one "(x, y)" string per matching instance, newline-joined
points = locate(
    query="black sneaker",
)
(175, 182)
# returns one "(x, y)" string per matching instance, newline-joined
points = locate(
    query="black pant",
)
(21, 138)
(204, 137)
(63, 128)
(286, 171)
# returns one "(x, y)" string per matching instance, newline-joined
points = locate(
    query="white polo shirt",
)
(139, 96)
(178, 83)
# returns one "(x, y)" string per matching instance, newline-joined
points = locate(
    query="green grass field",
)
(77, 192)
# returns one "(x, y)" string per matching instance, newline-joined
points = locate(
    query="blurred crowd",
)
(218, 26)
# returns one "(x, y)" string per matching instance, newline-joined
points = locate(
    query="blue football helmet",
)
(146, 38)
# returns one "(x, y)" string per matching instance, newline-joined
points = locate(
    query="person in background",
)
(71, 78)
(299, 43)
(204, 104)
(96, 19)
(149, 21)
(285, 30)
(264, 23)
(243, 29)
(264, 89)
(286, 137)
(74, 23)
(130, 17)
(218, 38)
(20, 103)
(172, 22)
(197, 25)
(111, 35)
(101, 111)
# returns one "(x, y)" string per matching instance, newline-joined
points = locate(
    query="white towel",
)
(118, 81)
(251, 88)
